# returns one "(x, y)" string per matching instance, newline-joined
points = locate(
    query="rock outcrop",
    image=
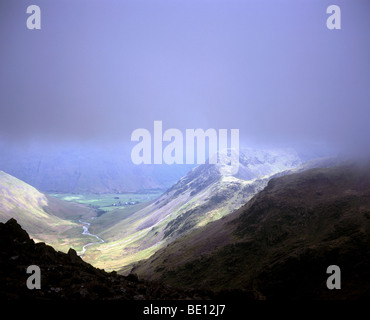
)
(68, 277)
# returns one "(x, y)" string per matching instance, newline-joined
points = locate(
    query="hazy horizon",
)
(97, 70)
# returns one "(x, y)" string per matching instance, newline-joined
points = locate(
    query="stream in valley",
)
(87, 233)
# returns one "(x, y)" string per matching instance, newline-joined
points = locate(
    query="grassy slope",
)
(282, 241)
(45, 218)
(140, 234)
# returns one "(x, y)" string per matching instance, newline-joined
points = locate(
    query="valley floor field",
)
(109, 201)
(110, 208)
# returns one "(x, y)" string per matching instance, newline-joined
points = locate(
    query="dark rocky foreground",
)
(68, 277)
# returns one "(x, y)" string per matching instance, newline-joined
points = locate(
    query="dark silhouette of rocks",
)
(65, 276)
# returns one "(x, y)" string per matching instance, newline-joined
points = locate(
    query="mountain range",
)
(269, 232)
(282, 241)
(203, 195)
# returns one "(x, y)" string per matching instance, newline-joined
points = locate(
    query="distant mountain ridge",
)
(74, 170)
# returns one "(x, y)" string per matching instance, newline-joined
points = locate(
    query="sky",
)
(97, 70)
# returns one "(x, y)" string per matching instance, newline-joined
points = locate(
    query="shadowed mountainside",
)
(282, 241)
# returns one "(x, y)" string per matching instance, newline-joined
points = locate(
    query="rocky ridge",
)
(65, 276)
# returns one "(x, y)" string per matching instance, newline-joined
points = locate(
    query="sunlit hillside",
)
(46, 219)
